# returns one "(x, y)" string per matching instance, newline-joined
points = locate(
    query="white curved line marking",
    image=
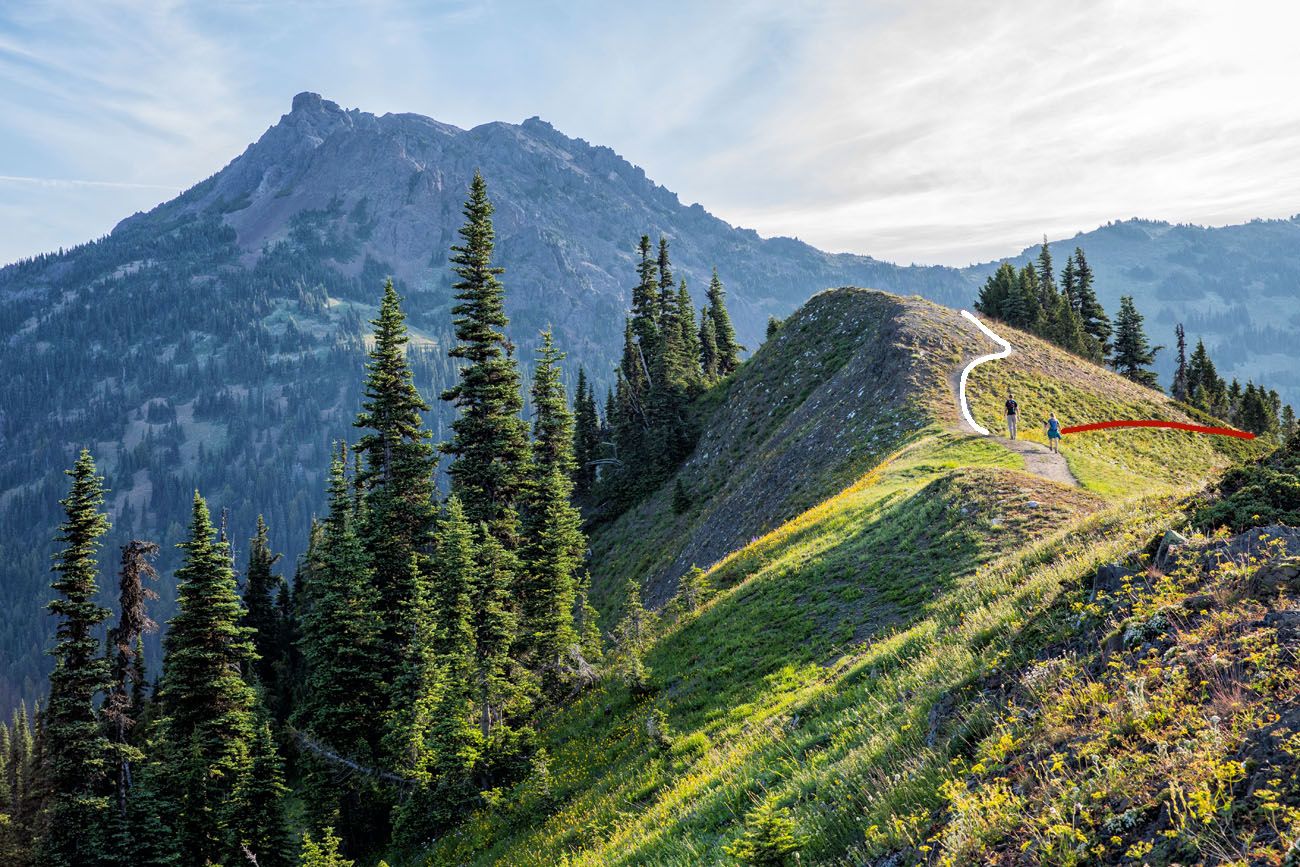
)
(961, 390)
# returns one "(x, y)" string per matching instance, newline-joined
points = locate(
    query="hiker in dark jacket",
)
(1013, 415)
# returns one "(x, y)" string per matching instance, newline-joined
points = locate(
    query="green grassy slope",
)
(874, 583)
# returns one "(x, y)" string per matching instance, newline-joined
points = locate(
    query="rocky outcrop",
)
(568, 216)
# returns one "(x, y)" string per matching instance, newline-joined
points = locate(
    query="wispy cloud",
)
(80, 182)
(921, 130)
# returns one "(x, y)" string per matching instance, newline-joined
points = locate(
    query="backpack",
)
(1013, 408)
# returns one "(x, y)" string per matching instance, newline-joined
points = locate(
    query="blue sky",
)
(913, 131)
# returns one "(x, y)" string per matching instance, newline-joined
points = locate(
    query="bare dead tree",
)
(133, 622)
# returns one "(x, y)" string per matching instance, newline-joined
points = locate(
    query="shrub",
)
(770, 839)
(1264, 492)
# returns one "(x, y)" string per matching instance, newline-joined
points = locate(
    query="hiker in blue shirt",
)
(1013, 415)
(1053, 432)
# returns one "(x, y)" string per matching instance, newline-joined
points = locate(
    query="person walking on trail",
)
(1053, 432)
(1013, 415)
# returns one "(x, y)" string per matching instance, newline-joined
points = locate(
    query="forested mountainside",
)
(1236, 287)
(216, 341)
(895, 641)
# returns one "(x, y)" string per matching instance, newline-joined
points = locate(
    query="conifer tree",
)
(645, 303)
(586, 622)
(554, 543)
(1036, 321)
(690, 338)
(1178, 389)
(146, 838)
(490, 441)
(724, 335)
(255, 808)
(324, 853)
(1066, 329)
(11, 848)
(553, 424)
(261, 613)
(1133, 353)
(586, 437)
(1096, 324)
(21, 787)
(439, 742)
(996, 293)
(208, 706)
(123, 704)
(1234, 400)
(76, 749)
(1070, 284)
(397, 480)
(632, 638)
(1046, 277)
(708, 346)
(340, 638)
(667, 293)
(552, 557)
(1206, 390)
(495, 624)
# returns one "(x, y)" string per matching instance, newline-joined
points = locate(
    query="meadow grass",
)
(810, 675)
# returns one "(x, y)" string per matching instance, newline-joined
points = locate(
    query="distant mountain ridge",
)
(568, 215)
(1238, 287)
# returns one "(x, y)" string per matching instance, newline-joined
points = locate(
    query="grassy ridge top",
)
(873, 570)
(852, 376)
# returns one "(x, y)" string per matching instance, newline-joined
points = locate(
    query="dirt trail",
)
(1039, 459)
(1042, 461)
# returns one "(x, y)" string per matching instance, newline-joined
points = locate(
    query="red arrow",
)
(1176, 425)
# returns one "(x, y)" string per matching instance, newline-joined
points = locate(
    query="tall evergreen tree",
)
(552, 557)
(1070, 284)
(397, 480)
(22, 799)
(586, 436)
(208, 706)
(690, 337)
(645, 303)
(724, 335)
(1095, 321)
(709, 357)
(667, 288)
(1178, 389)
(553, 423)
(495, 624)
(1046, 278)
(490, 441)
(12, 849)
(1065, 328)
(1206, 390)
(341, 636)
(1133, 352)
(442, 742)
(261, 612)
(76, 749)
